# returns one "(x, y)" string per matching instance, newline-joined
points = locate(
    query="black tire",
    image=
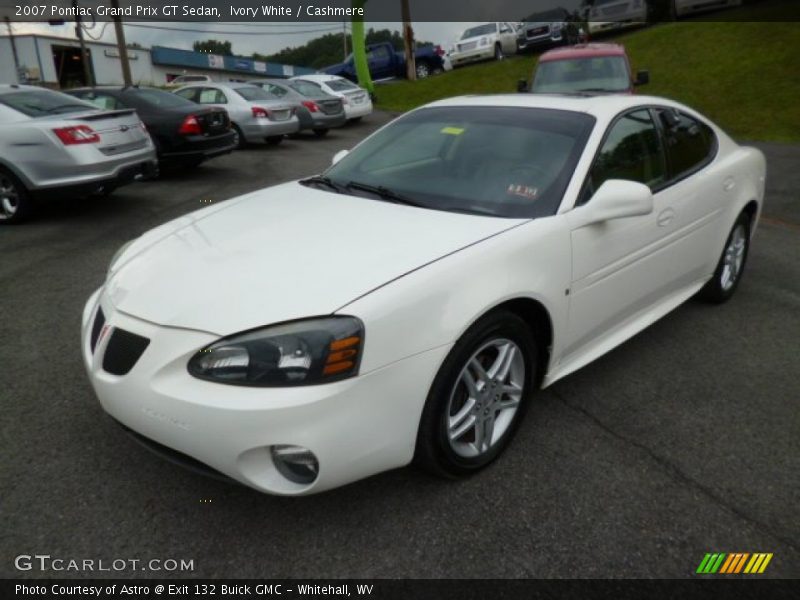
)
(498, 52)
(320, 133)
(274, 140)
(356, 119)
(423, 69)
(239, 136)
(434, 450)
(16, 203)
(437, 71)
(722, 285)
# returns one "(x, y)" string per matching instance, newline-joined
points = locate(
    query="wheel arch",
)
(539, 322)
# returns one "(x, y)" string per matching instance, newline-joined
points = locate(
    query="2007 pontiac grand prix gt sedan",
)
(406, 304)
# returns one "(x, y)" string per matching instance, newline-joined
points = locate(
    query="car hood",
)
(279, 254)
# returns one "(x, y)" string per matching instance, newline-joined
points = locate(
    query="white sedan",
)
(407, 304)
(356, 100)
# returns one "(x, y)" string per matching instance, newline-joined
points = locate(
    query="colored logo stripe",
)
(733, 563)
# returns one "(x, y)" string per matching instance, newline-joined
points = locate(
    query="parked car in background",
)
(688, 7)
(484, 42)
(386, 63)
(186, 79)
(183, 132)
(610, 15)
(356, 100)
(255, 114)
(585, 68)
(408, 303)
(54, 144)
(316, 109)
(548, 28)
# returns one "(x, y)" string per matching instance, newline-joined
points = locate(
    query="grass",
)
(742, 75)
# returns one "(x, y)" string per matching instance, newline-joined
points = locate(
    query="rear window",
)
(40, 103)
(307, 88)
(157, 98)
(341, 85)
(252, 92)
(594, 74)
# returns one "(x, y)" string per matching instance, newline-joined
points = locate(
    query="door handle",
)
(729, 183)
(665, 217)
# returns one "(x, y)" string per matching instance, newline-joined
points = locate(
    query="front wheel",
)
(423, 70)
(730, 267)
(238, 137)
(498, 52)
(15, 201)
(478, 397)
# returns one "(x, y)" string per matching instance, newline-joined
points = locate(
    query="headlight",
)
(484, 41)
(305, 352)
(117, 255)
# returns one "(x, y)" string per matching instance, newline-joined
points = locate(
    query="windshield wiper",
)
(324, 181)
(384, 193)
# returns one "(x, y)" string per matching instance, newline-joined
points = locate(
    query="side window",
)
(506, 28)
(379, 53)
(212, 96)
(188, 93)
(631, 151)
(690, 143)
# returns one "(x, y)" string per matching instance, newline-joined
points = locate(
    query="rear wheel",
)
(356, 120)
(274, 140)
(238, 136)
(423, 69)
(321, 132)
(478, 397)
(730, 267)
(15, 201)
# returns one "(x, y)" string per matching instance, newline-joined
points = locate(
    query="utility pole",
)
(122, 47)
(87, 71)
(13, 48)
(408, 42)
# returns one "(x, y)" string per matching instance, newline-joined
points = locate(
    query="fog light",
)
(295, 463)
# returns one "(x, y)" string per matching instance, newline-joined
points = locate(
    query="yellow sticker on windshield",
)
(453, 130)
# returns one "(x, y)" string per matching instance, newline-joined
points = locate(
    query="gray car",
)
(54, 144)
(316, 109)
(255, 114)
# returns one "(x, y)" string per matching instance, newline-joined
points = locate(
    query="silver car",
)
(54, 144)
(316, 109)
(255, 114)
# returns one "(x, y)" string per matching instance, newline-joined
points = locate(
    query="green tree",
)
(213, 47)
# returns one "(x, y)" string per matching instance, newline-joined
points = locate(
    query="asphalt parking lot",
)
(685, 440)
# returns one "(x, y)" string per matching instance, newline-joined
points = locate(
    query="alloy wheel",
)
(733, 258)
(485, 398)
(9, 197)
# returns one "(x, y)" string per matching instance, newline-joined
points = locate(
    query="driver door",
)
(618, 266)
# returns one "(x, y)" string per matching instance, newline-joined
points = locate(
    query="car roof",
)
(584, 51)
(604, 107)
(323, 77)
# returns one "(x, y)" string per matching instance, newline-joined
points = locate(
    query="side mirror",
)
(522, 86)
(617, 199)
(339, 156)
(642, 77)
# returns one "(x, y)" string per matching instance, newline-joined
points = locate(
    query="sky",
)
(264, 38)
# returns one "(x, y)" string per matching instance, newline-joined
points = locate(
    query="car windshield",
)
(498, 161)
(39, 103)
(591, 74)
(479, 30)
(254, 92)
(341, 85)
(158, 99)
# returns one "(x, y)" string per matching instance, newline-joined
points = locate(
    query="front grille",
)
(467, 46)
(97, 327)
(123, 350)
(538, 31)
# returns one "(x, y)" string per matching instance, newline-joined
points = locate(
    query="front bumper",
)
(481, 53)
(355, 427)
